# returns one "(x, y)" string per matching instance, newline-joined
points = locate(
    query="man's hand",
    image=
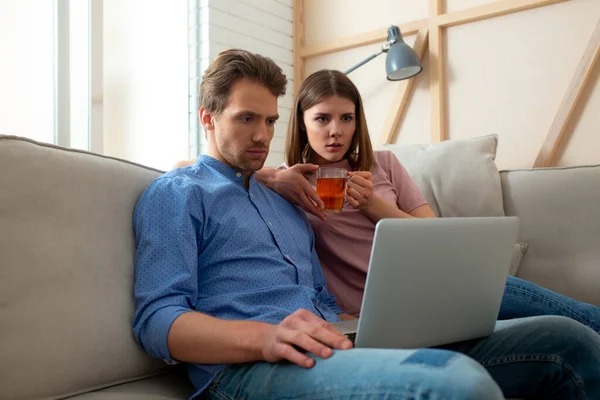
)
(360, 189)
(295, 188)
(306, 331)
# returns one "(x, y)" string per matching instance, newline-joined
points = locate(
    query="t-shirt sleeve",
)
(409, 196)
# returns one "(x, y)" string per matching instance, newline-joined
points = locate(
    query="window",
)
(45, 74)
(26, 71)
(115, 77)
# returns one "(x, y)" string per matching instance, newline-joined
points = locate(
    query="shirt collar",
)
(222, 168)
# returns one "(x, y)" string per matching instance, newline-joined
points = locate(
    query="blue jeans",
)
(525, 299)
(542, 357)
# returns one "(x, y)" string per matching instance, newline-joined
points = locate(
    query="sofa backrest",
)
(66, 271)
(559, 209)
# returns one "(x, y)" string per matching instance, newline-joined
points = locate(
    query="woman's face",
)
(330, 126)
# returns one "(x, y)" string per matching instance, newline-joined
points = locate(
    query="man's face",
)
(243, 131)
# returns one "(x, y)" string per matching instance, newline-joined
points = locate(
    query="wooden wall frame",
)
(558, 135)
(403, 94)
(432, 30)
(437, 79)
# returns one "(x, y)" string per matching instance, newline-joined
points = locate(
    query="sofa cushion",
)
(66, 270)
(458, 178)
(560, 221)
(172, 386)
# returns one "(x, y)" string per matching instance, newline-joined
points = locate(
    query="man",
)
(228, 281)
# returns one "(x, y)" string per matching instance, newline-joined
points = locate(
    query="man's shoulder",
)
(172, 181)
(179, 183)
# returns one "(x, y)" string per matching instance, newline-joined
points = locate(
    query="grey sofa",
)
(66, 266)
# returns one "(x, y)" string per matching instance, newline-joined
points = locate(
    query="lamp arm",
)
(363, 62)
(384, 48)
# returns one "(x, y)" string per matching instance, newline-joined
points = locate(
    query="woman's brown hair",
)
(315, 89)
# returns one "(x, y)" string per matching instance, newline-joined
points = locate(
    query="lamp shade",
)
(401, 62)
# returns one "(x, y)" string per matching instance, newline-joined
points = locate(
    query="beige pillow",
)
(517, 256)
(458, 178)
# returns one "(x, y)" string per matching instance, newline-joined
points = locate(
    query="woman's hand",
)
(360, 189)
(292, 185)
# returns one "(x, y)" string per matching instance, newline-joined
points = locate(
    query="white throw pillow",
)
(458, 178)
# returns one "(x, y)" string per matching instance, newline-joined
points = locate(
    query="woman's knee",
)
(571, 340)
(566, 328)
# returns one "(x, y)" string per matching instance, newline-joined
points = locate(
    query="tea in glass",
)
(331, 188)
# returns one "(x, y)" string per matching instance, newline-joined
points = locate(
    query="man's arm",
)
(166, 261)
(199, 338)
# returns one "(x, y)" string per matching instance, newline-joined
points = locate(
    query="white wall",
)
(507, 75)
(145, 100)
(261, 26)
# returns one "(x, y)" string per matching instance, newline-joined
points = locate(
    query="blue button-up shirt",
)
(206, 243)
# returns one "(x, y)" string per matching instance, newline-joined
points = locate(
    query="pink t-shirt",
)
(344, 241)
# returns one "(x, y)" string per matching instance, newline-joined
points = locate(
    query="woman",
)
(328, 128)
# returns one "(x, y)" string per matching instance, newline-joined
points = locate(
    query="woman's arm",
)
(361, 196)
(379, 208)
(291, 184)
(184, 163)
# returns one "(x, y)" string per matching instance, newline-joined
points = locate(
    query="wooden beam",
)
(437, 82)
(298, 21)
(557, 136)
(403, 94)
(493, 9)
(362, 39)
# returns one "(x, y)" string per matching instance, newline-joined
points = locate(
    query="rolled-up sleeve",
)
(166, 262)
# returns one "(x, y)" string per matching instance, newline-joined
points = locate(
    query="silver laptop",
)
(433, 281)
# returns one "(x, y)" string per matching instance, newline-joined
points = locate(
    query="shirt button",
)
(238, 174)
(288, 257)
(251, 196)
(269, 222)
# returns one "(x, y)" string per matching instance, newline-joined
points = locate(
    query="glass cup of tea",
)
(331, 188)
